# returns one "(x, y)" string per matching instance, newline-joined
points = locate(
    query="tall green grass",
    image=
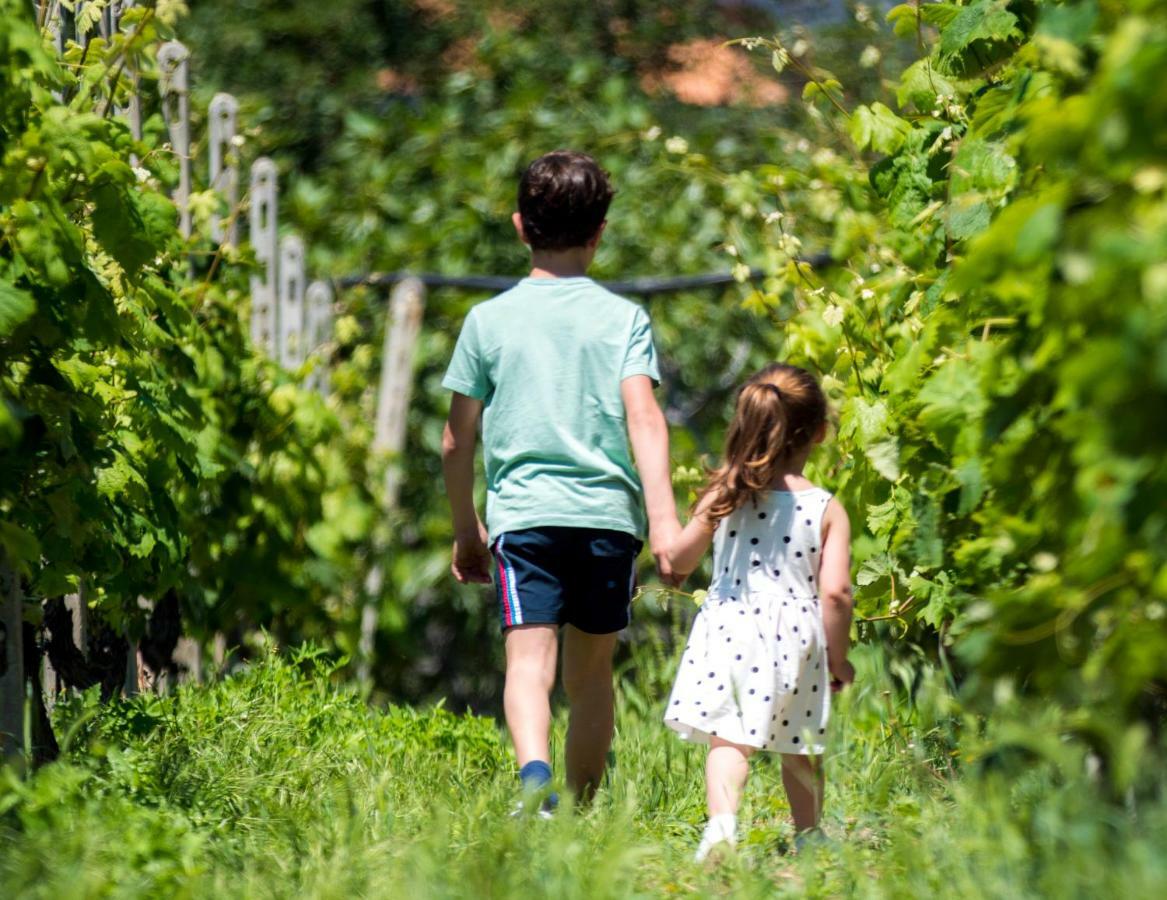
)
(280, 783)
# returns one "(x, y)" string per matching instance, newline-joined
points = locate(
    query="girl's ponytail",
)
(779, 411)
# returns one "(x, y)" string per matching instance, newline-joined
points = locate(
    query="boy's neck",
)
(570, 263)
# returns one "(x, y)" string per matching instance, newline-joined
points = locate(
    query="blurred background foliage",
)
(982, 175)
(403, 128)
(980, 186)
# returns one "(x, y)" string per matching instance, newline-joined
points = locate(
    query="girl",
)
(770, 641)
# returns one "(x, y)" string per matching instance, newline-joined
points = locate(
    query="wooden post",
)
(224, 168)
(50, 682)
(173, 88)
(79, 610)
(219, 654)
(188, 653)
(11, 662)
(319, 333)
(291, 294)
(263, 227)
(406, 307)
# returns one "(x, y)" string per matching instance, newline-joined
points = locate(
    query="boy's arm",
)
(471, 558)
(835, 590)
(649, 435)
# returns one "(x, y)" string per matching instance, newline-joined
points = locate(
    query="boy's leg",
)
(803, 779)
(587, 679)
(530, 675)
(603, 574)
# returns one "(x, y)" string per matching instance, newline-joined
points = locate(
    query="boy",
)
(559, 367)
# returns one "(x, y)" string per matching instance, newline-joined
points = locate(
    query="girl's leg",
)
(804, 782)
(726, 769)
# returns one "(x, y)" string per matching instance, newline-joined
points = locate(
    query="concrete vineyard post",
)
(224, 168)
(173, 88)
(291, 302)
(319, 333)
(263, 227)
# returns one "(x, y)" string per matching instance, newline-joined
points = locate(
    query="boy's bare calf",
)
(587, 677)
(531, 653)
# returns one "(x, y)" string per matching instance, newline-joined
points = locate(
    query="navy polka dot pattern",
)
(764, 597)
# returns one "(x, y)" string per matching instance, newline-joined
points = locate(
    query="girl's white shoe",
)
(720, 829)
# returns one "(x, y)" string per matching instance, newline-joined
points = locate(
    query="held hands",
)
(471, 557)
(661, 537)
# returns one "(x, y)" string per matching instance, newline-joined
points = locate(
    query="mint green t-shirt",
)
(547, 358)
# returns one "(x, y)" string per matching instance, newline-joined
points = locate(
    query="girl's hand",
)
(842, 674)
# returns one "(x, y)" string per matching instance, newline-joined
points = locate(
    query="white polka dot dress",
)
(754, 670)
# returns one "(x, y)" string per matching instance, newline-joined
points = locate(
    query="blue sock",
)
(535, 775)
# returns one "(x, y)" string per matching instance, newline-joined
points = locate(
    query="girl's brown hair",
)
(779, 412)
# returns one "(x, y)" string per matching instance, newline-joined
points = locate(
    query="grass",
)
(279, 783)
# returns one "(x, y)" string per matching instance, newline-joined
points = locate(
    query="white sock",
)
(720, 828)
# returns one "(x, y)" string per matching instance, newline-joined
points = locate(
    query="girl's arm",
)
(690, 545)
(835, 591)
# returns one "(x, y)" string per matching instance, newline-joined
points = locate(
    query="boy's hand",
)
(842, 674)
(661, 536)
(471, 557)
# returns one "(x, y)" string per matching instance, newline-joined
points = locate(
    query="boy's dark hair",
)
(563, 198)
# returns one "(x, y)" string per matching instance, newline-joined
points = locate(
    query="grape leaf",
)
(16, 306)
(984, 20)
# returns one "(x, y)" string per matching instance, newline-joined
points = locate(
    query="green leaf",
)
(927, 545)
(882, 565)
(967, 215)
(921, 85)
(865, 420)
(20, 546)
(984, 20)
(971, 476)
(881, 517)
(884, 457)
(16, 306)
(951, 395)
(120, 226)
(879, 128)
(905, 19)
(115, 479)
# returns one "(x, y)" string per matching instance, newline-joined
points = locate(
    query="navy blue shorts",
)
(566, 576)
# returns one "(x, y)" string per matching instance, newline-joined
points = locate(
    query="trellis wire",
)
(634, 287)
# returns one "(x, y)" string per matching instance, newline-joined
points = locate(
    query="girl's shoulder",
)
(810, 493)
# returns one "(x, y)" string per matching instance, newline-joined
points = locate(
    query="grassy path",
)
(277, 783)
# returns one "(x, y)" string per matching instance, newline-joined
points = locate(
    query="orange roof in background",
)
(707, 72)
